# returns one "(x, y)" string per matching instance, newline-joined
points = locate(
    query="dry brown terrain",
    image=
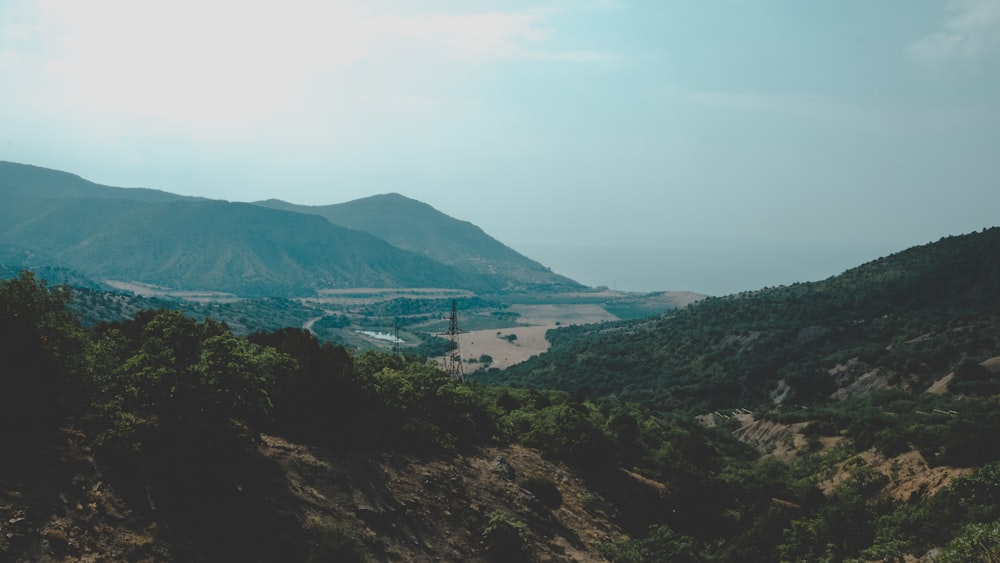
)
(410, 508)
(529, 340)
(910, 476)
(505, 353)
(56, 506)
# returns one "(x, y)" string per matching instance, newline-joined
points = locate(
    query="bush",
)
(976, 542)
(544, 490)
(568, 432)
(337, 545)
(504, 537)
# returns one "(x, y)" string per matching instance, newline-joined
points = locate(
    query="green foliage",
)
(840, 527)
(974, 543)
(912, 316)
(170, 379)
(337, 545)
(237, 248)
(318, 399)
(42, 351)
(971, 378)
(949, 430)
(545, 490)
(412, 403)
(415, 226)
(570, 431)
(504, 537)
(178, 401)
(433, 346)
(660, 544)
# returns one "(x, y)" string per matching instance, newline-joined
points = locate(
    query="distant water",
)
(712, 269)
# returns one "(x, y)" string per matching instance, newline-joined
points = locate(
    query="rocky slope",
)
(57, 505)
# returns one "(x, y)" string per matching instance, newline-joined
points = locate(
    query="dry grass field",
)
(509, 346)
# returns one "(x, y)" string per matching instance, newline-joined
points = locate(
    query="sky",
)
(611, 124)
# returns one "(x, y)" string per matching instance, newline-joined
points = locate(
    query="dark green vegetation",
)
(173, 406)
(852, 357)
(911, 316)
(218, 246)
(418, 227)
(138, 235)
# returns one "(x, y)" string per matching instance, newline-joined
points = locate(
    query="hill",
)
(162, 437)
(52, 219)
(26, 181)
(218, 246)
(415, 226)
(901, 321)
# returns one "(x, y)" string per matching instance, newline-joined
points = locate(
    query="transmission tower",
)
(453, 359)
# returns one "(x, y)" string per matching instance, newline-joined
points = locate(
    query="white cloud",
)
(9, 58)
(971, 31)
(218, 65)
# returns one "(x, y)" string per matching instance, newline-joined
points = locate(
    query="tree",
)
(42, 351)
(177, 381)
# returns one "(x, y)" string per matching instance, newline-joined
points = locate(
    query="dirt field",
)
(530, 340)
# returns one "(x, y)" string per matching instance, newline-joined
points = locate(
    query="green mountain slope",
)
(900, 321)
(418, 227)
(55, 219)
(217, 246)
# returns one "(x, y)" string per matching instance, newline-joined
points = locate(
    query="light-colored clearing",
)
(551, 315)
(530, 342)
(148, 290)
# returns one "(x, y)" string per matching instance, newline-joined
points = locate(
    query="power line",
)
(453, 359)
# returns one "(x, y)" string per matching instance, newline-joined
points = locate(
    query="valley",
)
(187, 379)
(508, 329)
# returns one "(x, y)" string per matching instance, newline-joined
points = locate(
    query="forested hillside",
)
(53, 219)
(901, 322)
(216, 246)
(165, 437)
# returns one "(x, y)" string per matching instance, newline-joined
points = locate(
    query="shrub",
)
(504, 537)
(337, 545)
(544, 490)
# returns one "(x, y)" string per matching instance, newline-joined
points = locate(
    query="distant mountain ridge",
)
(27, 181)
(416, 226)
(159, 238)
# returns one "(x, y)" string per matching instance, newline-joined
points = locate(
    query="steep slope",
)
(418, 227)
(58, 505)
(211, 245)
(902, 320)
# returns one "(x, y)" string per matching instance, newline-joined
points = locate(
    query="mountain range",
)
(271, 248)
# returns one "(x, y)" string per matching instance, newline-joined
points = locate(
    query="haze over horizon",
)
(556, 124)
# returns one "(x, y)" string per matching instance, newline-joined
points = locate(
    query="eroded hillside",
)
(57, 505)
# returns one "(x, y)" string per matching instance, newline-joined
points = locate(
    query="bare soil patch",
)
(909, 475)
(423, 508)
(502, 347)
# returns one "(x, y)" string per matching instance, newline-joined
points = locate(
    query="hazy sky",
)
(600, 122)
